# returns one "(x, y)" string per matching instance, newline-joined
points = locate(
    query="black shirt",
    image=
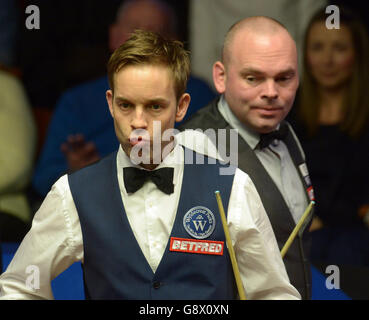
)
(339, 170)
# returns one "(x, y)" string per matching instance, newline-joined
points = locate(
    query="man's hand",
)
(78, 152)
(316, 224)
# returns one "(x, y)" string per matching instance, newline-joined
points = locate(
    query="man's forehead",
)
(262, 41)
(145, 72)
(253, 51)
(269, 40)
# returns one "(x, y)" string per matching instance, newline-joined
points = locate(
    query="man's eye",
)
(155, 106)
(253, 80)
(124, 105)
(285, 78)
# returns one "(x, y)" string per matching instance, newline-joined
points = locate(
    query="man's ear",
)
(183, 103)
(219, 77)
(109, 99)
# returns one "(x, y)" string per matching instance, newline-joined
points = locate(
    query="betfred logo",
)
(196, 246)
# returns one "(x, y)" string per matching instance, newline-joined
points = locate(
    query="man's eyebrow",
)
(245, 71)
(253, 71)
(157, 100)
(289, 71)
(119, 98)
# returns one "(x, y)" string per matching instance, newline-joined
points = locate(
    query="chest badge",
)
(199, 222)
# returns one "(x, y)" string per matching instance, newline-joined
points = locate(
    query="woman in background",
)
(332, 122)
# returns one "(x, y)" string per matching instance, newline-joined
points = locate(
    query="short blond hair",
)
(146, 47)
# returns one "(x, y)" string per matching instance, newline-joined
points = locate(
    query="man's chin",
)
(264, 126)
(144, 155)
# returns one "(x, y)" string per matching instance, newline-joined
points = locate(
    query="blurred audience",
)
(17, 149)
(209, 20)
(74, 140)
(332, 121)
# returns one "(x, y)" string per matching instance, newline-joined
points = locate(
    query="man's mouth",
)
(138, 140)
(268, 110)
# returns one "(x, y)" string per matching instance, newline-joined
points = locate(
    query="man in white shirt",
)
(144, 223)
(257, 79)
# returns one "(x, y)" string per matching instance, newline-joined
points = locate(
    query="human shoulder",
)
(242, 179)
(293, 133)
(204, 118)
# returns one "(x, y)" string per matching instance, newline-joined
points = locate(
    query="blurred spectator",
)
(209, 21)
(332, 121)
(17, 147)
(74, 141)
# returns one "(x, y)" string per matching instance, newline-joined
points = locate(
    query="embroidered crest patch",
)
(199, 222)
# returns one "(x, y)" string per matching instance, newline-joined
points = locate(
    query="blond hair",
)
(146, 47)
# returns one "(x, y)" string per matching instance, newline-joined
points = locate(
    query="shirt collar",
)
(251, 137)
(174, 159)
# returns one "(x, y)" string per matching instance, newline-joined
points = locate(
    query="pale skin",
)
(144, 94)
(259, 77)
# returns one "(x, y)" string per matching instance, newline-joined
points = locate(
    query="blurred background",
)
(71, 46)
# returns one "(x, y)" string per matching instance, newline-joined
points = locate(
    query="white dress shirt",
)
(276, 160)
(55, 239)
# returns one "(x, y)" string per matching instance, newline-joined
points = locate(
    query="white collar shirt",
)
(276, 160)
(55, 239)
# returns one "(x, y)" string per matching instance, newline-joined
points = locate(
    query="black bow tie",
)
(134, 179)
(267, 138)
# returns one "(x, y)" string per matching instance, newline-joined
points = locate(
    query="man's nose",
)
(139, 119)
(270, 90)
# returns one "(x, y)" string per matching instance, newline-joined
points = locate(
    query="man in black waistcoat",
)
(257, 79)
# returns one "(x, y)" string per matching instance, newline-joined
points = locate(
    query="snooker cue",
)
(236, 271)
(296, 229)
